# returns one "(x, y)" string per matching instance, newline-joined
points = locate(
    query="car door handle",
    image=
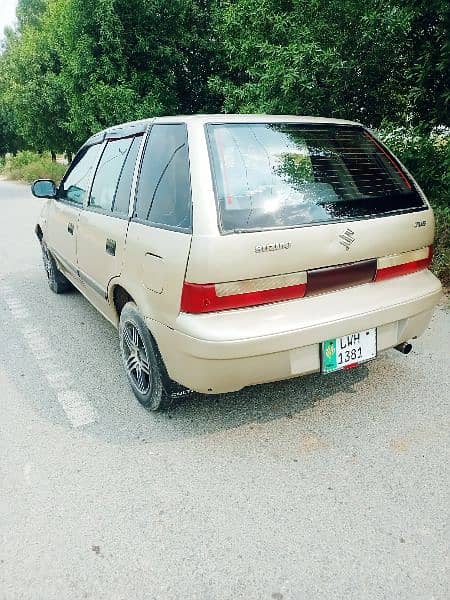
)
(70, 228)
(111, 247)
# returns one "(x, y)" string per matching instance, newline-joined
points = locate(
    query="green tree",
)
(428, 86)
(76, 66)
(33, 88)
(342, 58)
(29, 12)
(130, 59)
(9, 138)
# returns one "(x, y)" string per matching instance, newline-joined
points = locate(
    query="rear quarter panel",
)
(154, 270)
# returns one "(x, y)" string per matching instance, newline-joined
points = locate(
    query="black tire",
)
(142, 362)
(57, 282)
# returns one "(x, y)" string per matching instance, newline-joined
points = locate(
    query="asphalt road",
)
(320, 487)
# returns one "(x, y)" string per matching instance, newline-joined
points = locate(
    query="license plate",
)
(349, 350)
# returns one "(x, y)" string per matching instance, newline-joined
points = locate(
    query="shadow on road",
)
(268, 401)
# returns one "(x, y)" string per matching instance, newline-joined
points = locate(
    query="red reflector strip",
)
(405, 268)
(202, 298)
(350, 366)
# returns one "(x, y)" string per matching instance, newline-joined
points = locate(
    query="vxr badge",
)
(347, 238)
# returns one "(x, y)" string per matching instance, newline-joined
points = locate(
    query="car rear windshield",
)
(288, 175)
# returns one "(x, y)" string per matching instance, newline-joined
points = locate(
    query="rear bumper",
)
(224, 352)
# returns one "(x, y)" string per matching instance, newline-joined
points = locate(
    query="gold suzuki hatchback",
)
(232, 250)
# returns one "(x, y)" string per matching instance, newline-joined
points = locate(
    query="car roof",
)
(252, 118)
(136, 127)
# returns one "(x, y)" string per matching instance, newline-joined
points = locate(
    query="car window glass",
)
(75, 185)
(108, 173)
(171, 203)
(164, 195)
(122, 197)
(271, 175)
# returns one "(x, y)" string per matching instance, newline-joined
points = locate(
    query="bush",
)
(427, 156)
(441, 262)
(28, 166)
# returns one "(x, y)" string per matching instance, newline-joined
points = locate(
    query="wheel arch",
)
(119, 297)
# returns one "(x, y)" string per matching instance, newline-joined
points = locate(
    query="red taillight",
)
(211, 297)
(421, 260)
(203, 298)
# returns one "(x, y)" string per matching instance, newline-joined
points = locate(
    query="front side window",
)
(108, 173)
(164, 193)
(75, 185)
(288, 175)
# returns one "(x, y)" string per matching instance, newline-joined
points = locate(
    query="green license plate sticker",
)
(349, 350)
(329, 362)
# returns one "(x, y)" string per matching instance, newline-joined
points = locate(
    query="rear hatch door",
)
(324, 200)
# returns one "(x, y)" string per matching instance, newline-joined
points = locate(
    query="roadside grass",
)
(28, 166)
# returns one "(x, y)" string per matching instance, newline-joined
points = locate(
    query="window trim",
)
(106, 213)
(137, 170)
(139, 162)
(125, 214)
(162, 226)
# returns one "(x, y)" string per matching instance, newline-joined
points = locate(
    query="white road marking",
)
(40, 346)
(49, 367)
(27, 472)
(20, 313)
(45, 356)
(31, 333)
(61, 380)
(78, 409)
(13, 303)
(11, 300)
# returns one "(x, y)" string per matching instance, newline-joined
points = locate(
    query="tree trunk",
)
(69, 157)
(53, 156)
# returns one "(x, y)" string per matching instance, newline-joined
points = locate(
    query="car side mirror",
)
(44, 188)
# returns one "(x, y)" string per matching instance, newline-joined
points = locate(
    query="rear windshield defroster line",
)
(272, 175)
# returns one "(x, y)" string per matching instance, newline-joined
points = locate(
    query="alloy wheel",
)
(136, 359)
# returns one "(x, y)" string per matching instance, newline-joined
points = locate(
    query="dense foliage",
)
(427, 155)
(74, 66)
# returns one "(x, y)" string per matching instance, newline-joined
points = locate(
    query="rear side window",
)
(76, 183)
(164, 191)
(108, 174)
(286, 175)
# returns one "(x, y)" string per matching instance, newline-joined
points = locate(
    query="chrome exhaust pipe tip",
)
(404, 347)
